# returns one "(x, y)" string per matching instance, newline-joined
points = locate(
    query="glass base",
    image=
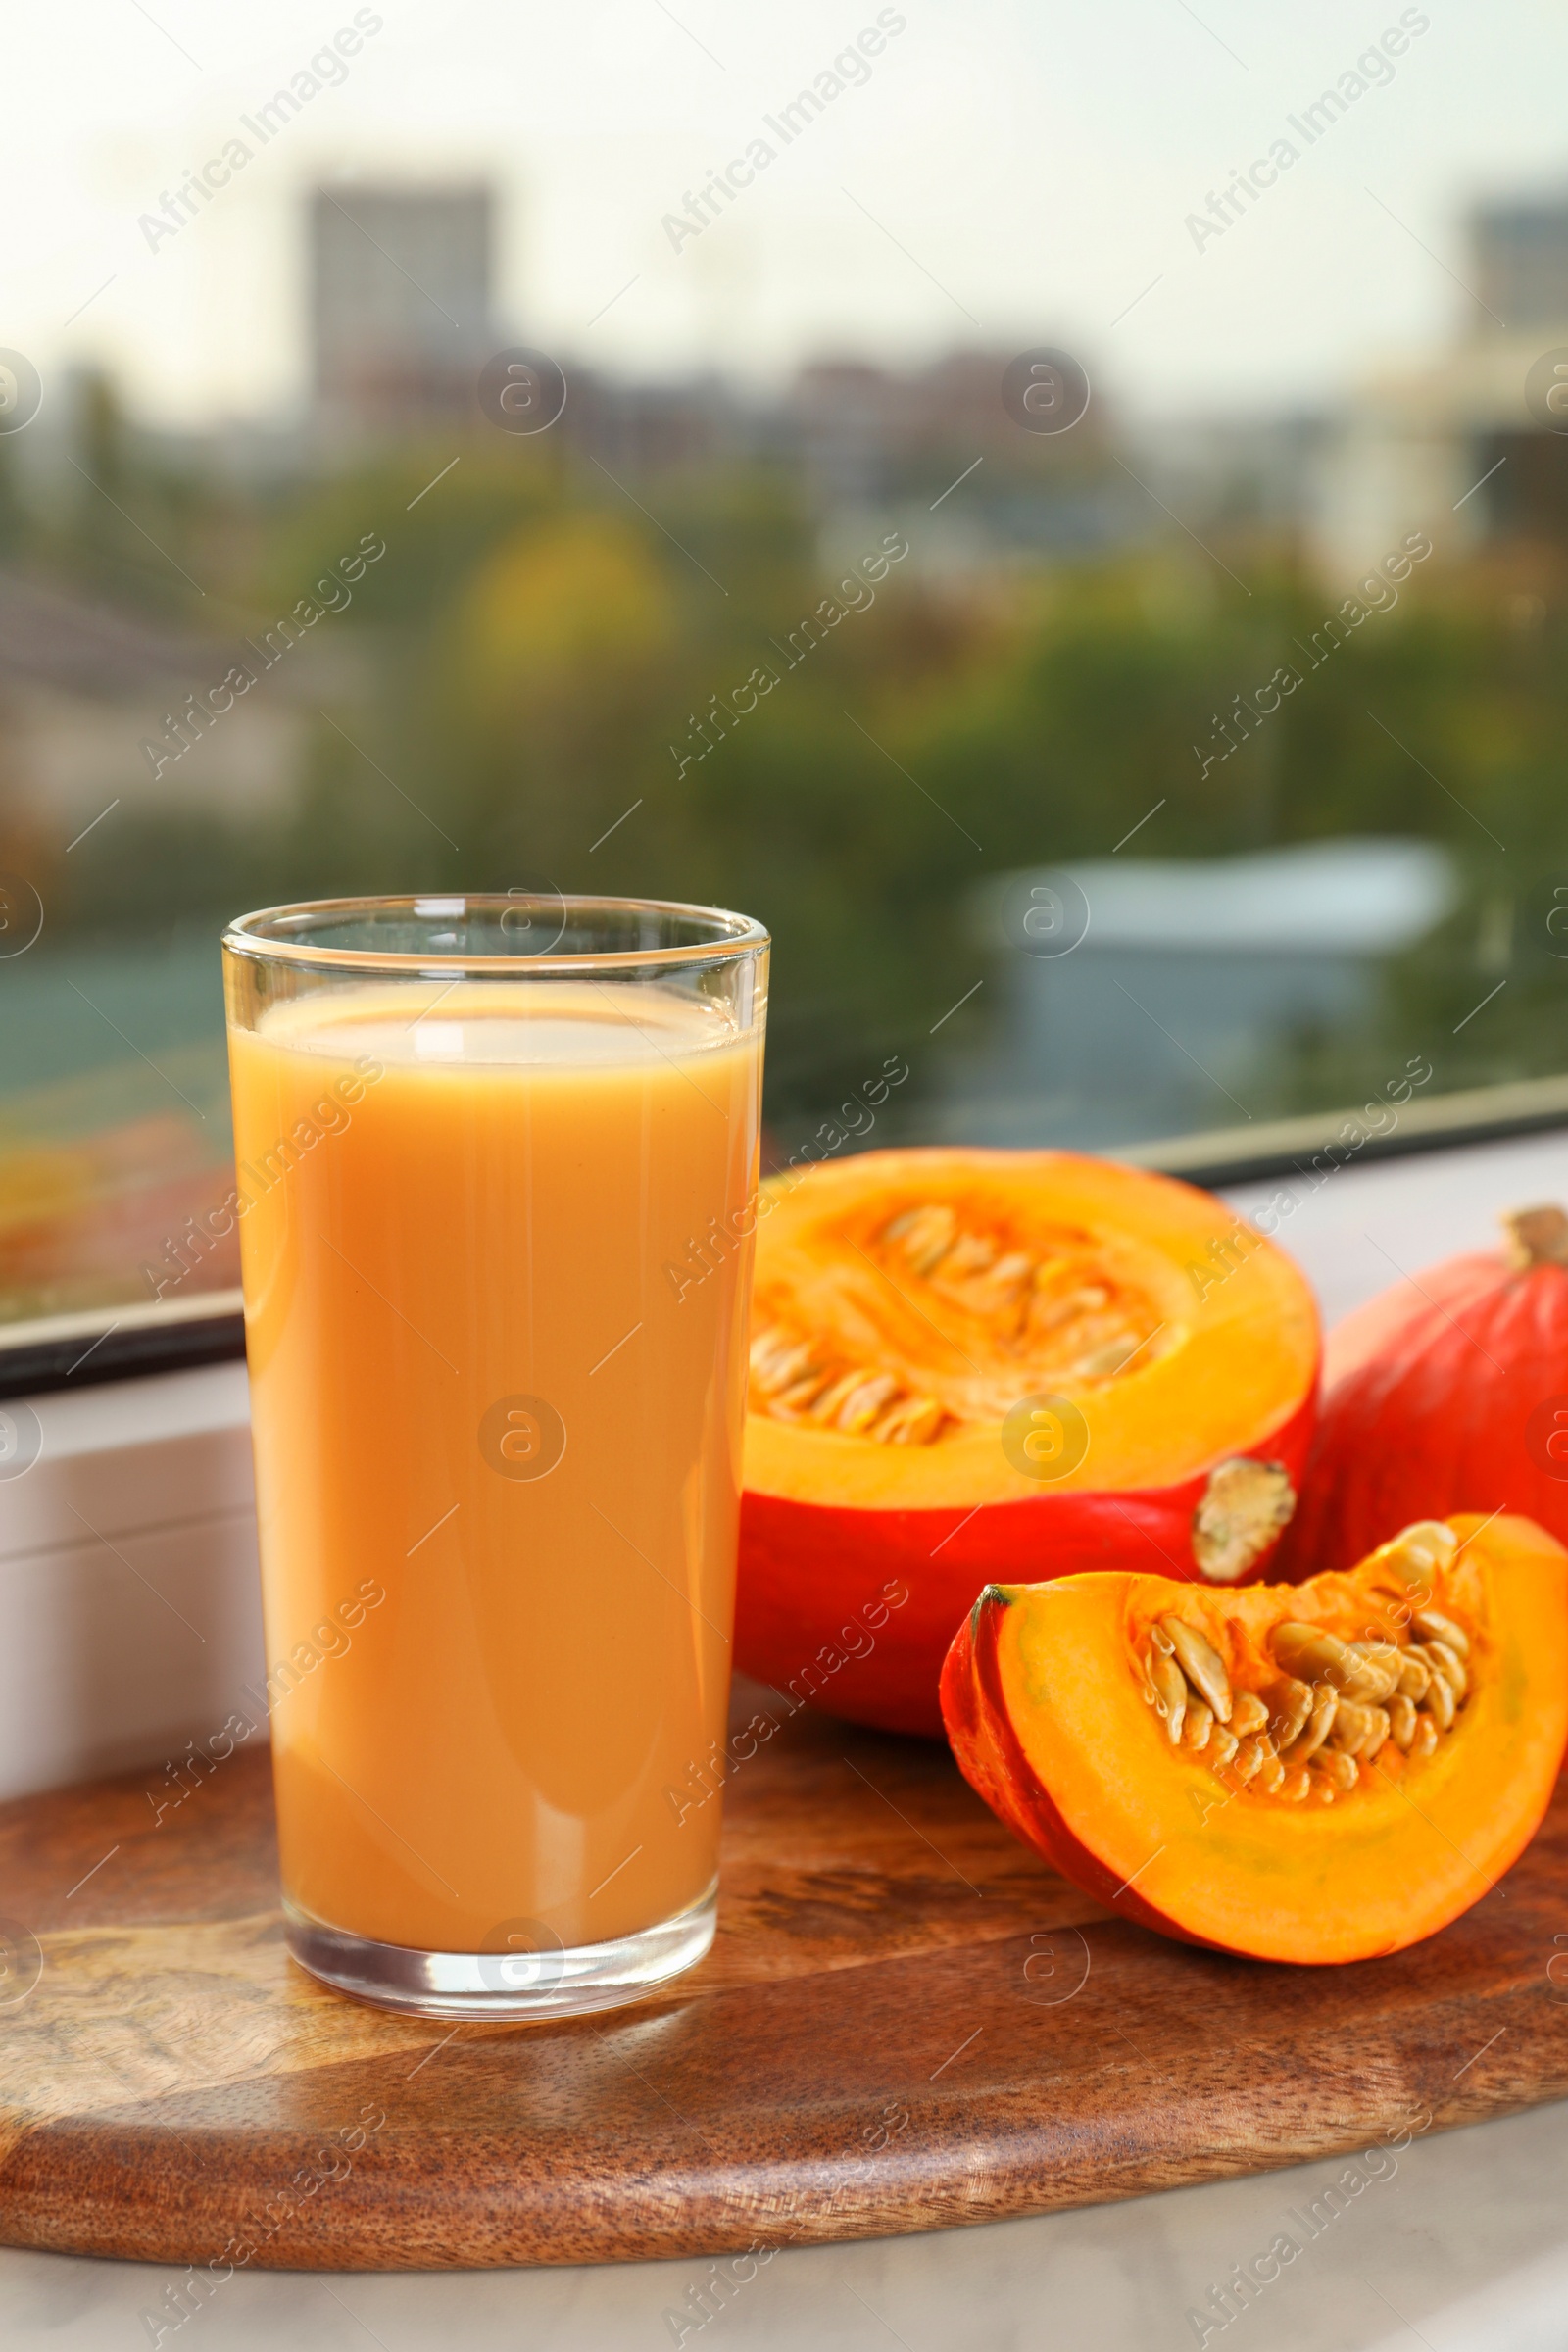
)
(533, 1977)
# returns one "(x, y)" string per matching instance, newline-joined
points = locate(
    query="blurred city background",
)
(1194, 765)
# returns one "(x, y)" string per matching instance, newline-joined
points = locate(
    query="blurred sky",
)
(1015, 171)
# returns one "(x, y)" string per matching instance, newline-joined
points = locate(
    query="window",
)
(1068, 523)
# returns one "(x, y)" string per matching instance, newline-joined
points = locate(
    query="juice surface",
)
(489, 1385)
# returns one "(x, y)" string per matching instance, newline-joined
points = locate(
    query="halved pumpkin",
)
(1316, 1772)
(976, 1365)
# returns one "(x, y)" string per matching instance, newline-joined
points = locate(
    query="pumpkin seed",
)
(1425, 1740)
(1247, 1761)
(1438, 1628)
(1222, 1745)
(776, 1363)
(1426, 1544)
(1377, 1737)
(1383, 1661)
(1314, 1655)
(924, 1235)
(1378, 1674)
(1170, 1687)
(1340, 1771)
(1104, 1363)
(971, 1253)
(864, 1403)
(1401, 1720)
(1201, 1662)
(1353, 1726)
(836, 1393)
(1325, 1706)
(1271, 1773)
(1248, 1713)
(1292, 1706)
(1439, 1703)
(1358, 1731)
(1199, 1723)
(1442, 1656)
(1414, 1676)
(1295, 1785)
(1069, 1307)
(912, 1421)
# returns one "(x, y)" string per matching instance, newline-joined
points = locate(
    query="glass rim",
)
(732, 936)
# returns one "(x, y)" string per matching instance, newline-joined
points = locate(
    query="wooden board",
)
(907, 2023)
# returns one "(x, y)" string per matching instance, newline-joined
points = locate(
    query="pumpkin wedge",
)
(1315, 1773)
(972, 1364)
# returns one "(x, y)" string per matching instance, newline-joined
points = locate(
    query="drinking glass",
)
(496, 1164)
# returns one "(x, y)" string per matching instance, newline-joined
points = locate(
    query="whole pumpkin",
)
(1446, 1392)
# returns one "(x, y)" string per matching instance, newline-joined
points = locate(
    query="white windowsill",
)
(130, 1612)
(129, 1604)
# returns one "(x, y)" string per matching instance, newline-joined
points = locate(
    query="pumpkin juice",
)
(477, 1388)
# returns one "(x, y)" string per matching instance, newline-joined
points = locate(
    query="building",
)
(1191, 984)
(936, 451)
(401, 305)
(1520, 253)
(1461, 444)
(84, 688)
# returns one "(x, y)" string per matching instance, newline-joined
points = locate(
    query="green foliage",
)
(547, 651)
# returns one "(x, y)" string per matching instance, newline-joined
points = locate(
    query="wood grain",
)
(906, 2022)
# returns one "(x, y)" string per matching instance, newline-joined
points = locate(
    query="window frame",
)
(83, 1350)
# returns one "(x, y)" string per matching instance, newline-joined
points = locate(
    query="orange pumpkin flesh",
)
(1446, 1393)
(1052, 1721)
(904, 1303)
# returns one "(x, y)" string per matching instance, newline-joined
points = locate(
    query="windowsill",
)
(116, 1343)
(130, 1597)
(129, 1613)
(120, 1343)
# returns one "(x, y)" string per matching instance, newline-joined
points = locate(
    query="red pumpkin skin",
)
(1430, 1390)
(990, 1758)
(808, 1563)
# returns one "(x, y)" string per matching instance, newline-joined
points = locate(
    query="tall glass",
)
(497, 1162)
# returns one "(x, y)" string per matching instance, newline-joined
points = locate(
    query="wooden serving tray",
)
(906, 2022)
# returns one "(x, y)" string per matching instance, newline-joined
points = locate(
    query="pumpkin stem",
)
(1537, 1237)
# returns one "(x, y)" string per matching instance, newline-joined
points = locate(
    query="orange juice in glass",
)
(485, 1150)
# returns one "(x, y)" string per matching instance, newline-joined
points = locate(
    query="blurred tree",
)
(560, 696)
